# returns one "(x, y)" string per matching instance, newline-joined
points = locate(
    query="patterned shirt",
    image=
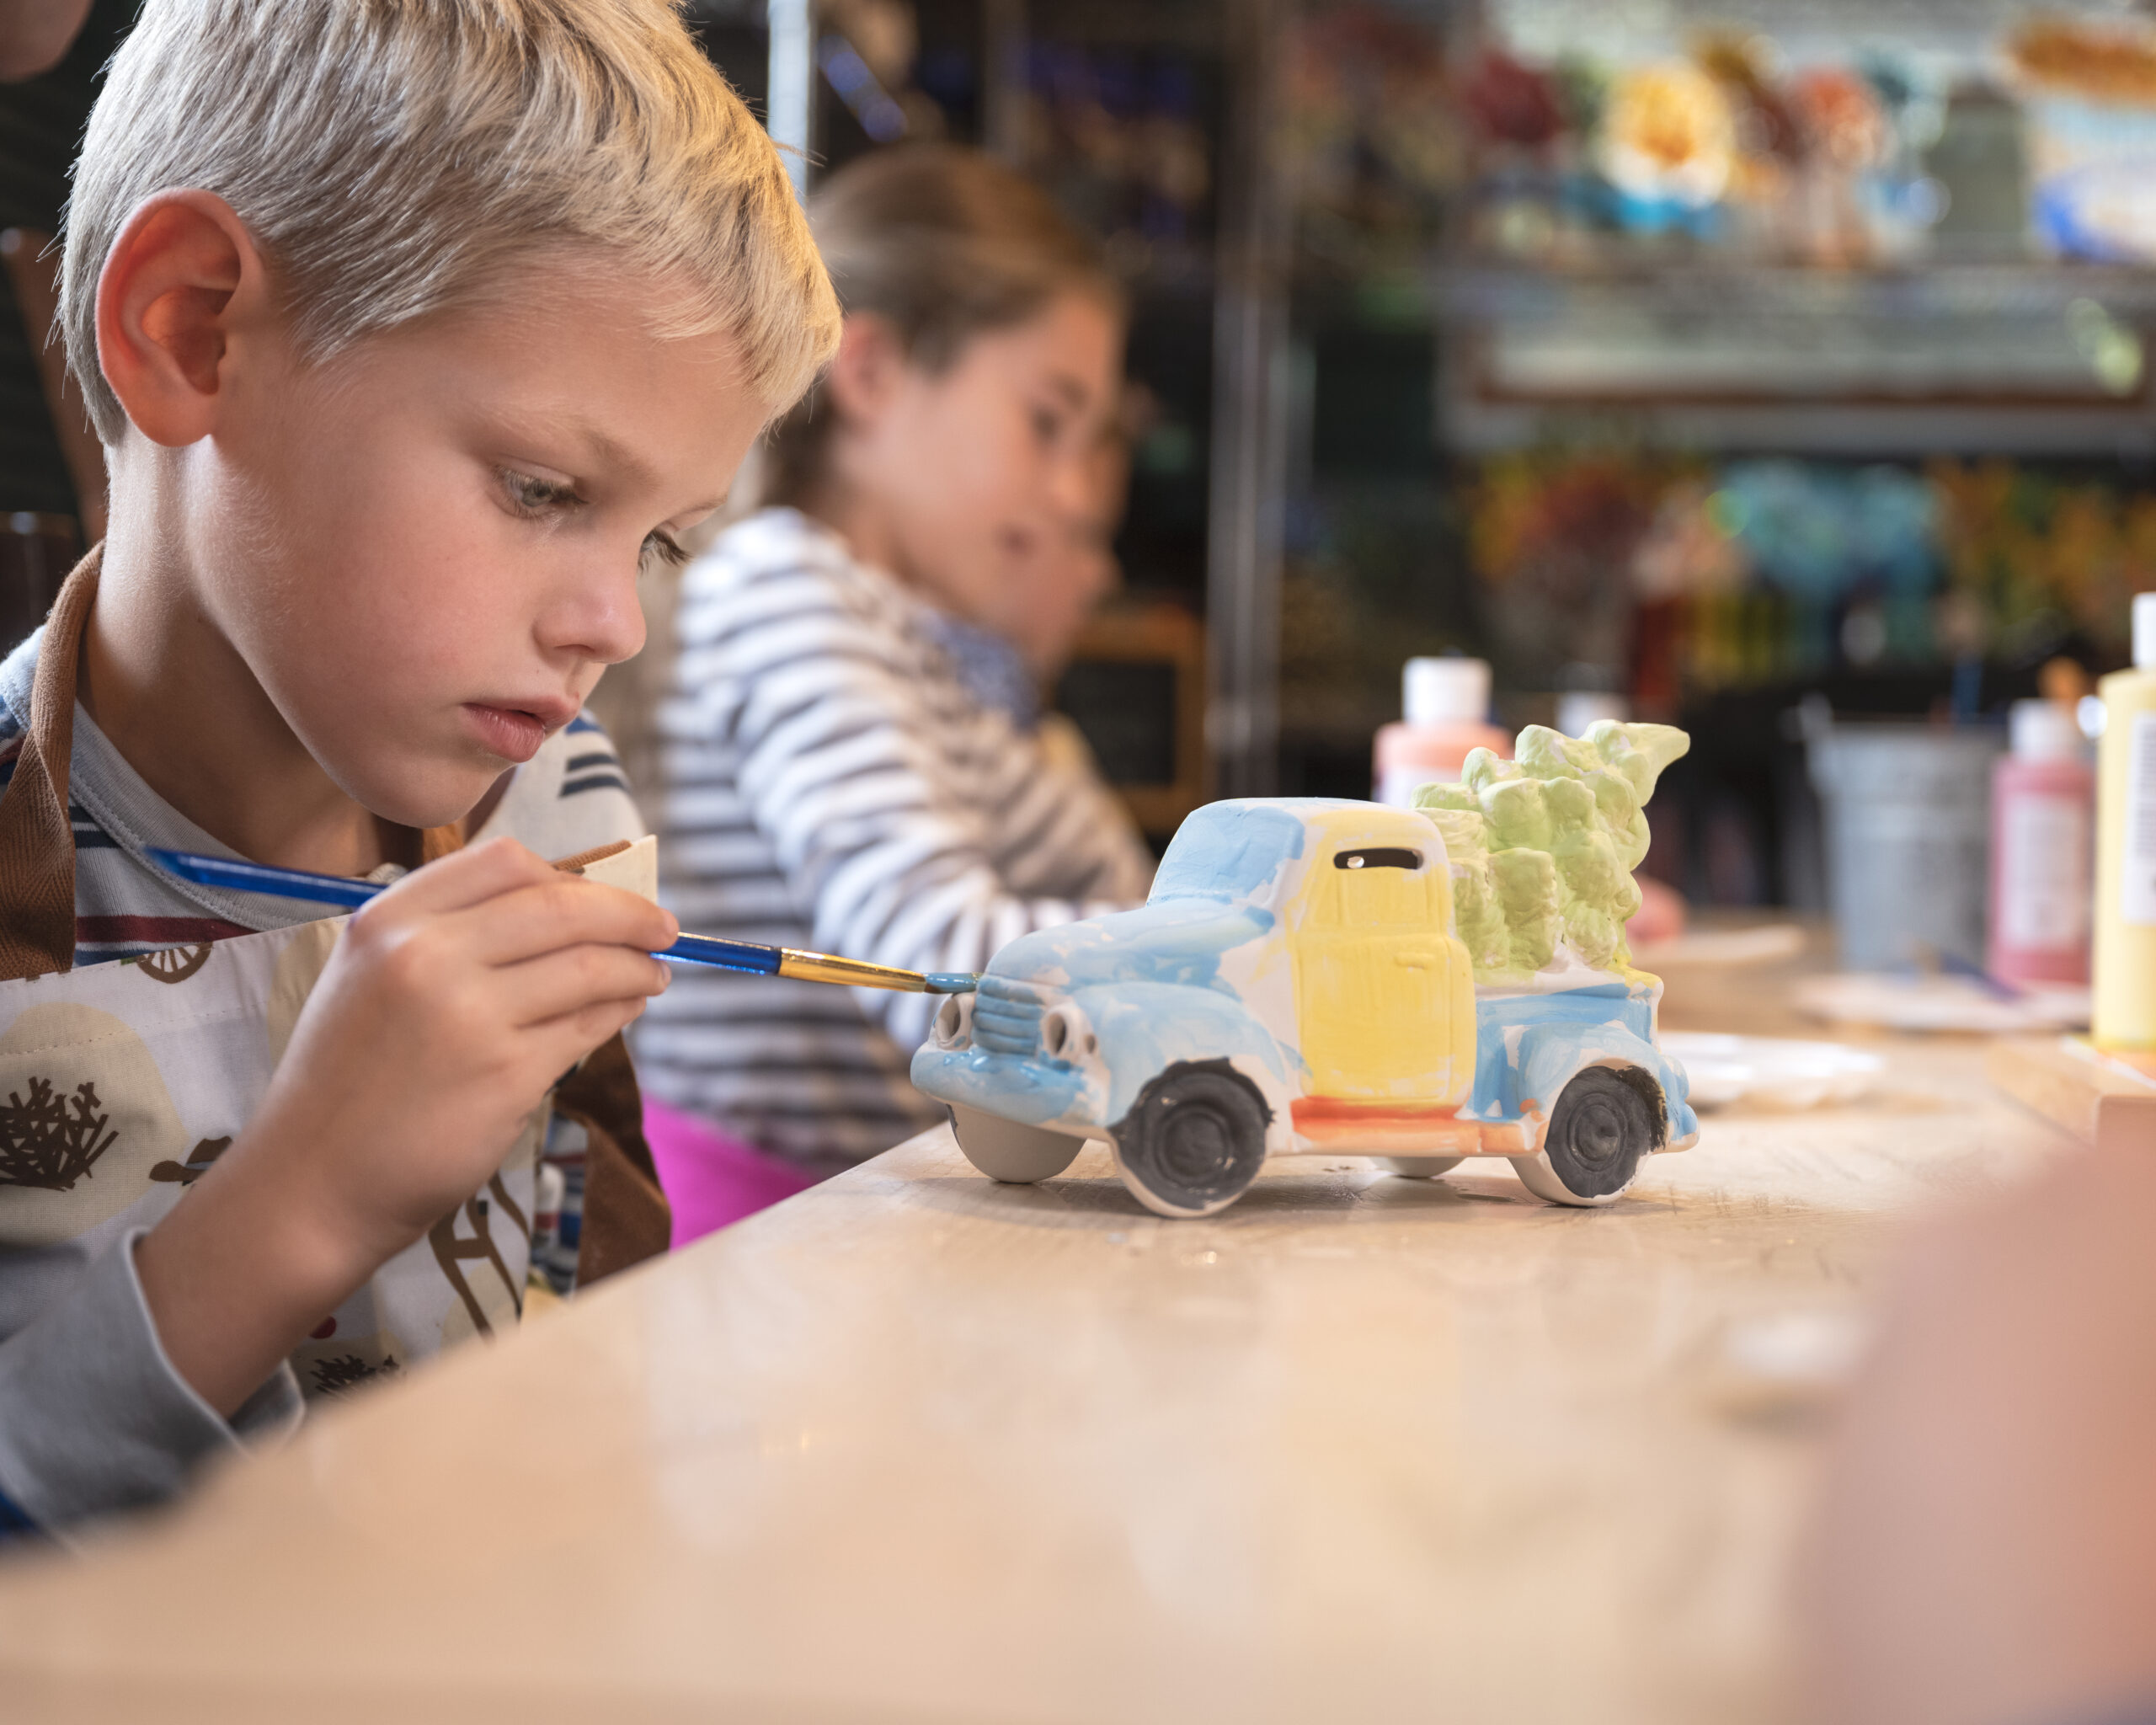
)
(93, 1415)
(834, 781)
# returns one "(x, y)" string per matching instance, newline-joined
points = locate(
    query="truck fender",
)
(1549, 1055)
(1145, 1027)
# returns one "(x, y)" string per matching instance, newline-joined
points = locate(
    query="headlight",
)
(954, 1021)
(1064, 1033)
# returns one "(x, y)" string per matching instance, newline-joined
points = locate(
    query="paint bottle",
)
(1447, 702)
(2043, 808)
(2126, 846)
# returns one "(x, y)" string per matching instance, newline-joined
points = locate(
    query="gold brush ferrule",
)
(821, 967)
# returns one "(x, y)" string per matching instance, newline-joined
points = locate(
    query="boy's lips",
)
(515, 732)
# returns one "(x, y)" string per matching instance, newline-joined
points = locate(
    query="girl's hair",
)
(943, 244)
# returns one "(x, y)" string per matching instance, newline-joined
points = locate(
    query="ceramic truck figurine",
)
(1330, 978)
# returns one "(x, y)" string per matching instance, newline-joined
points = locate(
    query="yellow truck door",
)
(1385, 995)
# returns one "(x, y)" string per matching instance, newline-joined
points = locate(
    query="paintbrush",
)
(749, 957)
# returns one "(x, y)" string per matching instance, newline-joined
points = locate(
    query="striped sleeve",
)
(914, 828)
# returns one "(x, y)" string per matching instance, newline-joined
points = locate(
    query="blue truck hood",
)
(1171, 940)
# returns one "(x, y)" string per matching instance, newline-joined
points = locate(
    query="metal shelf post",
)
(790, 106)
(1247, 507)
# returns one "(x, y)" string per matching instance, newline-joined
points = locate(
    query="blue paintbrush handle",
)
(757, 960)
(338, 890)
(230, 872)
(726, 954)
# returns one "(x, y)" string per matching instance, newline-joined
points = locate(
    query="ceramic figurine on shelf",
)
(1327, 978)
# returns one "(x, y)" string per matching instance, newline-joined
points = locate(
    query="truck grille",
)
(1007, 1016)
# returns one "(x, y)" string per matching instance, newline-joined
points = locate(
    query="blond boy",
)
(411, 328)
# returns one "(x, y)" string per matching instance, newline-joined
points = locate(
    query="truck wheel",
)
(1004, 1150)
(1193, 1140)
(1606, 1120)
(1422, 1168)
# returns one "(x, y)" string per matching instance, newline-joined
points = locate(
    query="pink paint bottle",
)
(2042, 867)
(1447, 702)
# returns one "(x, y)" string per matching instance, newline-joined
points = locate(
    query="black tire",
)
(1607, 1119)
(1194, 1138)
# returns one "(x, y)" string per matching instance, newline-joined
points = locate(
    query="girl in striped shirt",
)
(852, 753)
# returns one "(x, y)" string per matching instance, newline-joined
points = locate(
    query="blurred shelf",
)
(1967, 356)
(1515, 291)
(1960, 354)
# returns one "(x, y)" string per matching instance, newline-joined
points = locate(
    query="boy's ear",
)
(175, 286)
(865, 376)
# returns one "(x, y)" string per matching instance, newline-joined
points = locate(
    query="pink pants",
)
(711, 1179)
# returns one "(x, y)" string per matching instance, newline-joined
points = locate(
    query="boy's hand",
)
(450, 1005)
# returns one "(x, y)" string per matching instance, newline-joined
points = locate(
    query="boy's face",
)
(426, 549)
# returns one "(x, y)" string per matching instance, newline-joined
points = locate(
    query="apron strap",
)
(626, 1216)
(37, 840)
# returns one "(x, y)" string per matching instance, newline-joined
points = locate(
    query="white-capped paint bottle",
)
(1447, 703)
(2126, 846)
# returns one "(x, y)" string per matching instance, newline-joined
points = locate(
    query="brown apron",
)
(124, 1080)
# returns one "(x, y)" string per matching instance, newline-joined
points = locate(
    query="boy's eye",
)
(665, 549)
(530, 495)
(1048, 425)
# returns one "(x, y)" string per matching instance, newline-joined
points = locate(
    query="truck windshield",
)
(1230, 851)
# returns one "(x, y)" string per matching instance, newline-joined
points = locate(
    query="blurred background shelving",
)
(1709, 353)
(1712, 354)
(1778, 350)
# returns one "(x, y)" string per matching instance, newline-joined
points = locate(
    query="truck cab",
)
(1294, 986)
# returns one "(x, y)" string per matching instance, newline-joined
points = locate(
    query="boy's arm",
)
(94, 1420)
(451, 1004)
(449, 1007)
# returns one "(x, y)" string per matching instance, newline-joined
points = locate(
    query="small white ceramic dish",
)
(1771, 1072)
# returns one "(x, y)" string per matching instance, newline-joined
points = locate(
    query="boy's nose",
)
(601, 620)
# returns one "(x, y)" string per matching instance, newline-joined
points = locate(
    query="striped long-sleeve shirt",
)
(830, 781)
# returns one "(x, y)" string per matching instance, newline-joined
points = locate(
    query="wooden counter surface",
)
(916, 1447)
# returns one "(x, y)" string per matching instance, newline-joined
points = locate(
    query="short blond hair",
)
(392, 158)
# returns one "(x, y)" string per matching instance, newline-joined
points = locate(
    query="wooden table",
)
(916, 1447)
